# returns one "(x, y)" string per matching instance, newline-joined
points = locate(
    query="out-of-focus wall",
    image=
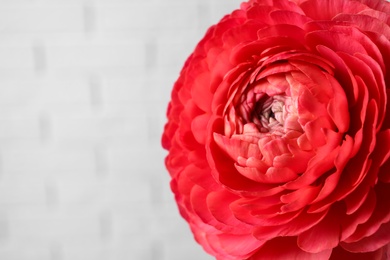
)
(84, 86)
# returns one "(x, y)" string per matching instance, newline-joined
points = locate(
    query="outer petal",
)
(284, 248)
(235, 246)
(323, 236)
(339, 253)
(379, 239)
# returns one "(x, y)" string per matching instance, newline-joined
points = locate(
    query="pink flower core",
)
(270, 114)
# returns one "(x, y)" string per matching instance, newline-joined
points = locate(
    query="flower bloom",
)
(279, 132)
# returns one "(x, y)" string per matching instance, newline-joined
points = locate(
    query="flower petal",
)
(340, 253)
(372, 243)
(198, 126)
(323, 236)
(234, 245)
(283, 248)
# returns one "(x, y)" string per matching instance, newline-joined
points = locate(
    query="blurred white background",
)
(84, 86)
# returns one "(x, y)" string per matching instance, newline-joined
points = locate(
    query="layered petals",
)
(278, 132)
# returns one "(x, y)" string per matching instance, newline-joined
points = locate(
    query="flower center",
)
(271, 112)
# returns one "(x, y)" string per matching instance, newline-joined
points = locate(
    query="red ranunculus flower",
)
(279, 132)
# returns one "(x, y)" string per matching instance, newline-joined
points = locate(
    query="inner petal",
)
(271, 113)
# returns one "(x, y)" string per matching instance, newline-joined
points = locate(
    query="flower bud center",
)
(271, 112)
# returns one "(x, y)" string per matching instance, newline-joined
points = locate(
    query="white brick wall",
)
(84, 86)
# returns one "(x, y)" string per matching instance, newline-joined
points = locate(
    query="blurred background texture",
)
(84, 86)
